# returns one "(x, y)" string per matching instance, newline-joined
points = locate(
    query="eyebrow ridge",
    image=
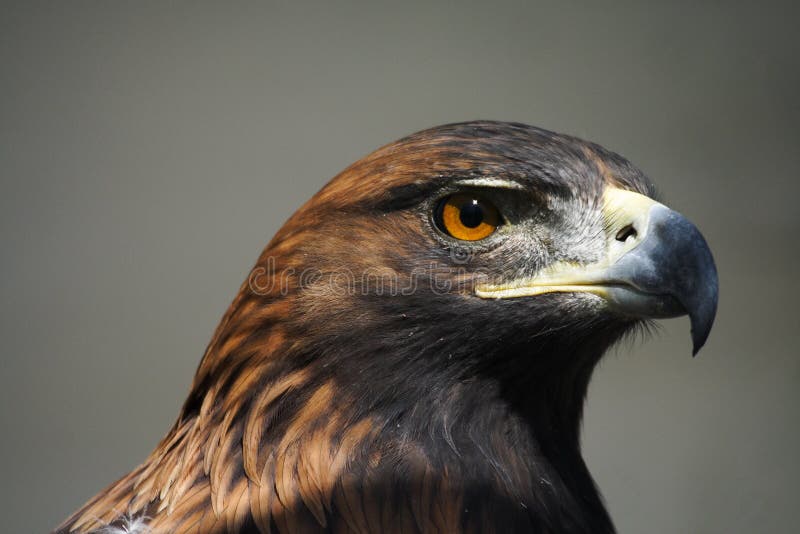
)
(499, 183)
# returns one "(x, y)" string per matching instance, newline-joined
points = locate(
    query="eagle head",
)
(412, 349)
(484, 247)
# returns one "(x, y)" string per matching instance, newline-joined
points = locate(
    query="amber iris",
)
(467, 217)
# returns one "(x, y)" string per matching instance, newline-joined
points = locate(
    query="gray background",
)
(148, 151)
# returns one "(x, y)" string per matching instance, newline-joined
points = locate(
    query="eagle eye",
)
(466, 217)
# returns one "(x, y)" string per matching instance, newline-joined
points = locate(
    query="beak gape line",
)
(657, 265)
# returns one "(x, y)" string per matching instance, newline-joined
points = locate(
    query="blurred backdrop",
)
(149, 150)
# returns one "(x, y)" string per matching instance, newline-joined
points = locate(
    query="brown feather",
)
(261, 497)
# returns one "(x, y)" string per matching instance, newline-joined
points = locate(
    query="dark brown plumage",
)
(361, 382)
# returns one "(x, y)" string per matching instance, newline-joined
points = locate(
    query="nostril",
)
(626, 232)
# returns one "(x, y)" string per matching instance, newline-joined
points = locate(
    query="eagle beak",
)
(657, 265)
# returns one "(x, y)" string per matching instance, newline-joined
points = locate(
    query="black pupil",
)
(471, 214)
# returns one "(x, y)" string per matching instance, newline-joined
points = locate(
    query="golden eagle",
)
(412, 350)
